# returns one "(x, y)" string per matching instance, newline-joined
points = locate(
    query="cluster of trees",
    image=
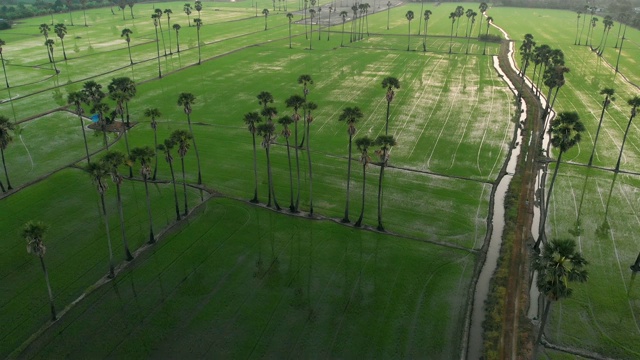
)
(303, 110)
(470, 14)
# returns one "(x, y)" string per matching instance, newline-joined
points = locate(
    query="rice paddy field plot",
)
(77, 254)
(48, 143)
(602, 314)
(245, 282)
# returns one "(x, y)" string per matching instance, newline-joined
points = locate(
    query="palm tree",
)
(33, 232)
(350, 115)
(363, 145)
(388, 12)
(594, 22)
(198, 23)
(587, 8)
(312, 15)
(144, 155)
(331, 9)
(389, 83)
(61, 31)
(6, 127)
(452, 16)
(186, 100)
(166, 149)
(156, 20)
(198, 7)
(112, 160)
(592, 11)
(482, 7)
(4, 69)
(158, 13)
(84, 10)
(634, 103)
(305, 80)
(265, 12)
(622, 18)
(153, 114)
(168, 12)
(267, 131)
(44, 30)
(188, 11)
(343, 15)
(102, 109)
(290, 17)
(177, 28)
(309, 107)
(354, 8)
(473, 21)
(468, 14)
(122, 4)
(49, 44)
(77, 98)
(608, 24)
(566, 130)
(489, 21)
(624, 33)
(554, 79)
(296, 102)
(285, 121)
(579, 13)
(131, 3)
(251, 119)
(608, 98)
(427, 16)
(182, 139)
(264, 99)
(126, 34)
(319, 28)
(559, 264)
(459, 13)
(98, 172)
(526, 51)
(385, 142)
(409, 16)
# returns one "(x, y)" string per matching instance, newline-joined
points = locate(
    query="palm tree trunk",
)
(155, 149)
(130, 58)
(543, 321)
(112, 273)
(618, 37)
(255, 172)
(64, 53)
(310, 173)
(169, 33)
(152, 238)
(84, 13)
(595, 141)
(4, 165)
(386, 125)
(451, 39)
(175, 191)
(364, 183)
(158, 51)
(604, 44)
(199, 54)
(297, 206)
(2, 187)
(620, 49)
(4, 70)
(584, 21)
(341, 38)
(70, 17)
(420, 17)
(195, 149)
(424, 39)
(162, 35)
(346, 209)
(177, 42)
(272, 191)
(624, 139)
(409, 37)
(380, 227)
(291, 207)
(46, 278)
(311, 37)
(124, 235)
(184, 186)
(131, 10)
(289, 34)
(545, 211)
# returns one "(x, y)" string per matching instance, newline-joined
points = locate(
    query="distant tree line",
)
(12, 10)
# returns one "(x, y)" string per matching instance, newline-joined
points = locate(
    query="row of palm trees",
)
(350, 115)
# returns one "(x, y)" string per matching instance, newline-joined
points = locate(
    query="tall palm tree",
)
(331, 9)
(343, 15)
(166, 149)
(319, 28)
(634, 103)
(4, 69)
(389, 83)
(186, 100)
(158, 13)
(305, 80)
(468, 14)
(622, 19)
(267, 131)
(608, 98)
(309, 107)
(264, 99)
(409, 16)
(251, 119)
(126, 34)
(594, 22)
(285, 121)
(168, 12)
(526, 51)
(388, 12)
(153, 114)
(624, 33)
(579, 13)
(143, 155)
(459, 13)
(122, 4)
(489, 21)
(44, 30)
(473, 21)
(296, 102)
(6, 127)
(61, 31)
(312, 15)
(131, 3)
(265, 12)
(84, 10)
(77, 98)
(183, 140)
(427, 16)
(554, 79)
(290, 17)
(453, 17)
(98, 172)
(354, 8)
(198, 23)
(198, 6)
(156, 21)
(33, 232)
(112, 161)
(188, 11)
(559, 265)
(49, 44)
(566, 130)
(177, 28)
(363, 144)
(608, 24)
(385, 142)
(587, 8)
(350, 115)
(482, 7)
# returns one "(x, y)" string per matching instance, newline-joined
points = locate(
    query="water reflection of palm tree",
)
(602, 230)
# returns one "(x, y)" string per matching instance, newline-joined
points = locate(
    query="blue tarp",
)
(95, 118)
